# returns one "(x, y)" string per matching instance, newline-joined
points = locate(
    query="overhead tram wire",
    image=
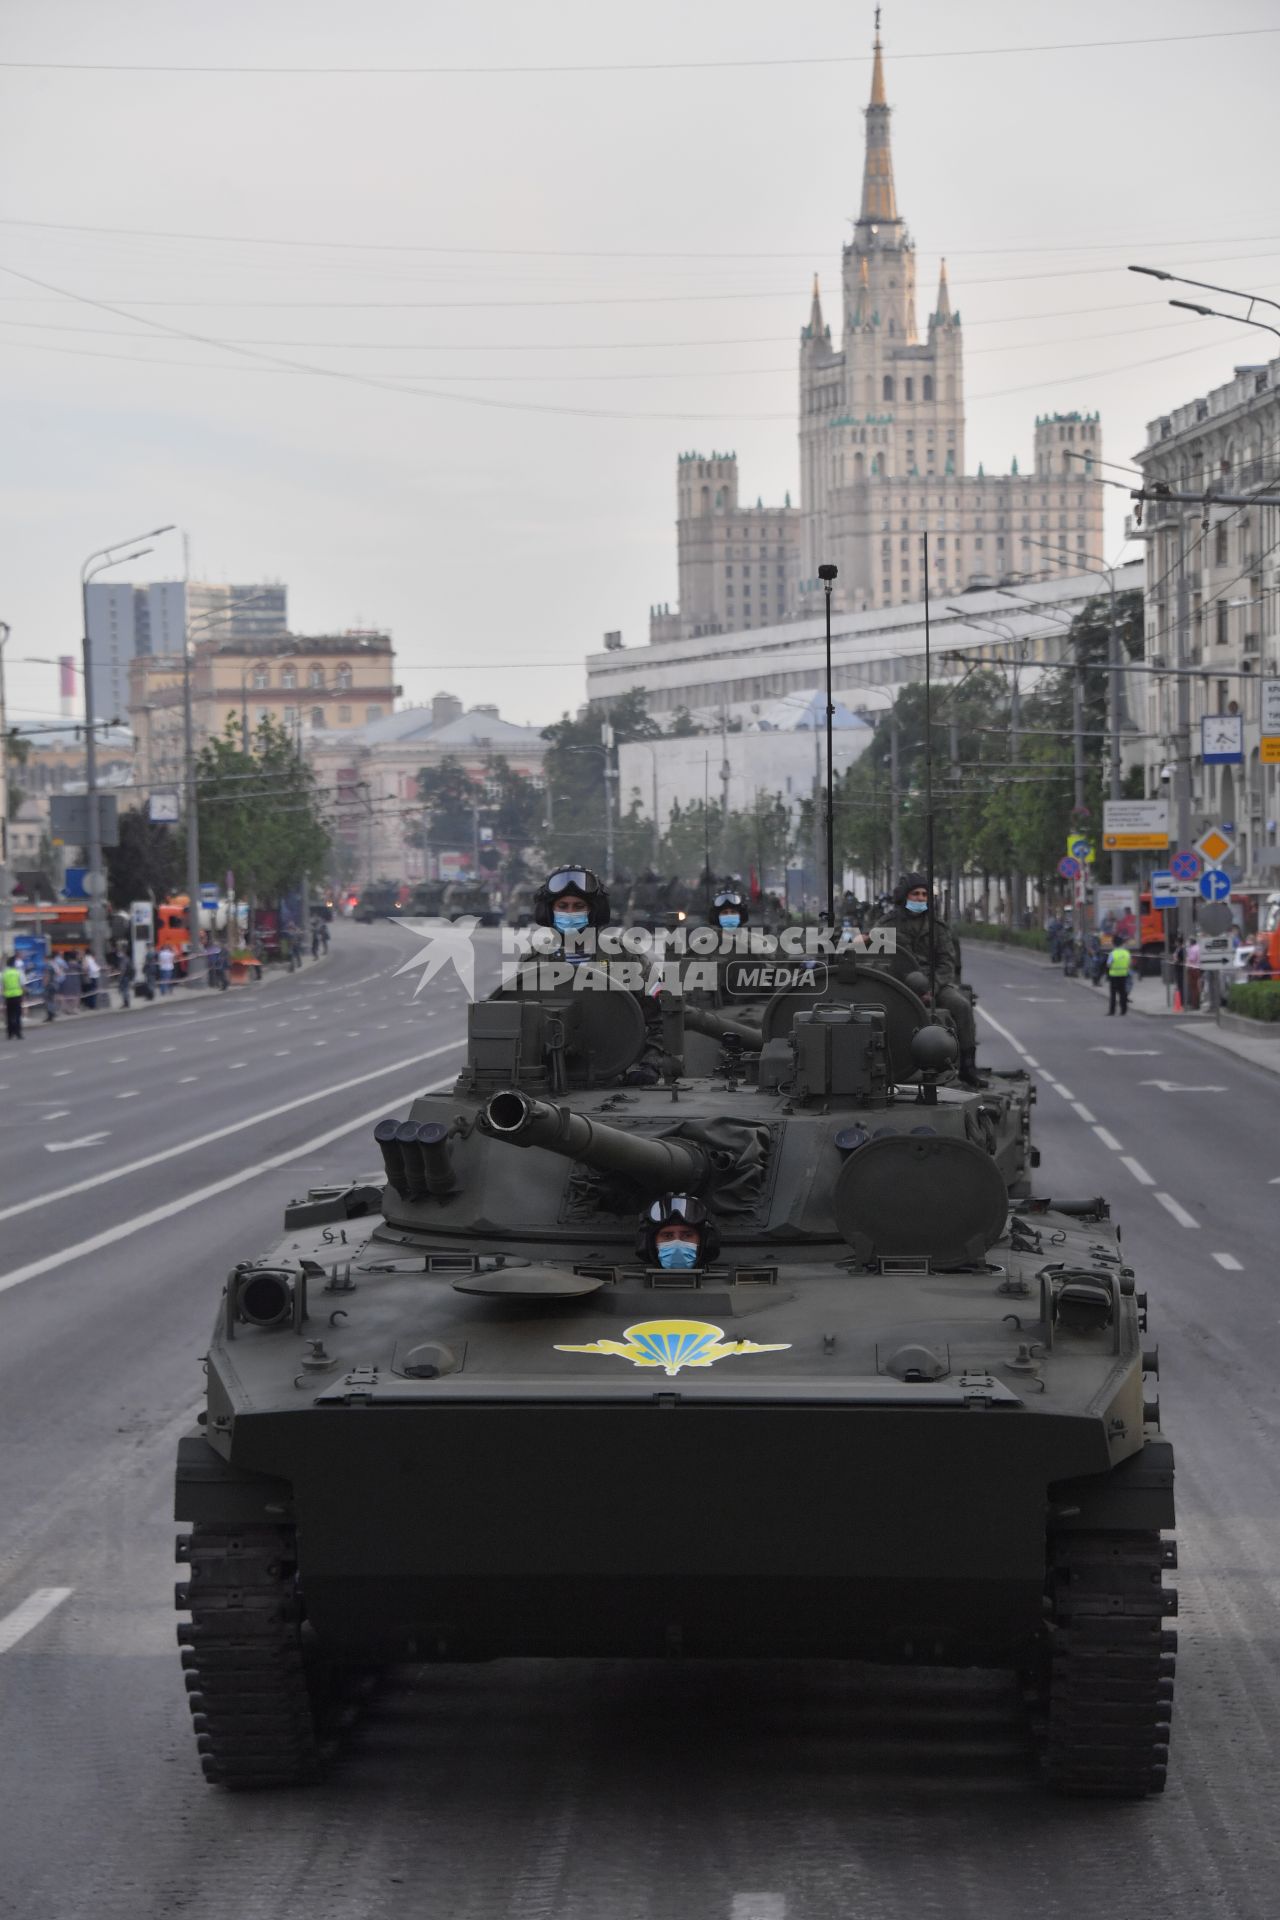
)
(621, 66)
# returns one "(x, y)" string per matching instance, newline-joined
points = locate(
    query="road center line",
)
(222, 1133)
(1229, 1261)
(36, 1607)
(199, 1195)
(1065, 1091)
(758, 1906)
(1179, 1212)
(1108, 1139)
(1002, 1031)
(1137, 1169)
(1083, 1111)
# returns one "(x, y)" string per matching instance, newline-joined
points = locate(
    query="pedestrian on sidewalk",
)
(315, 941)
(1191, 999)
(165, 962)
(120, 964)
(71, 984)
(50, 984)
(324, 935)
(14, 987)
(1119, 962)
(90, 973)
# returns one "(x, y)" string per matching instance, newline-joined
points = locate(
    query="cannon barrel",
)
(658, 1165)
(718, 1026)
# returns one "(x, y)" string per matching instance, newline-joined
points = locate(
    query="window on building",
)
(315, 676)
(372, 713)
(1220, 631)
(910, 388)
(342, 678)
(261, 677)
(1220, 544)
(888, 386)
(261, 714)
(928, 386)
(978, 543)
(728, 571)
(317, 716)
(344, 716)
(289, 677)
(904, 544)
(291, 716)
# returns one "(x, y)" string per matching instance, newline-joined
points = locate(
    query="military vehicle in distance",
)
(901, 1416)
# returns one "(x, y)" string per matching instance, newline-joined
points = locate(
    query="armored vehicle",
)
(427, 899)
(902, 1414)
(469, 896)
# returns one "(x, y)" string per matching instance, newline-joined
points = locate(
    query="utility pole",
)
(953, 867)
(1115, 707)
(606, 736)
(1182, 748)
(657, 821)
(1015, 729)
(195, 951)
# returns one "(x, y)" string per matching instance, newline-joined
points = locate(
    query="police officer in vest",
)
(14, 986)
(1119, 968)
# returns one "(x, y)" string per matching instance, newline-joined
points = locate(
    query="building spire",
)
(879, 202)
(942, 308)
(816, 328)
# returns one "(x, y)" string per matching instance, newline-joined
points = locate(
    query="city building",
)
(369, 777)
(725, 677)
(782, 751)
(130, 622)
(310, 684)
(882, 459)
(1212, 584)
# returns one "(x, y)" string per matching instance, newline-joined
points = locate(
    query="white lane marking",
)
(319, 1043)
(224, 1133)
(1108, 1139)
(36, 1607)
(1229, 1261)
(1064, 1091)
(758, 1906)
(187, 1079)
(1176, 1086)
(1002, 1031)
(1083, 1111)
(235, 1066)
(1042, 999)
(60, 1073)
(1129, 1053)
(127, 1096)
(117, 1059)
(1137, 1169)
(68, 1146)
(199, 1195)
(1030, 1062)
(1179, 1212)
(168, 1049)
(281, 1052)
(59, 1113)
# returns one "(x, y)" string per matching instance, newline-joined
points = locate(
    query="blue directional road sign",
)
(1185, 866)
(1216, 884)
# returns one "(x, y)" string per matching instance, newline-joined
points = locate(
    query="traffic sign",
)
(1216, 884)
(1185, 866)
(1162, 894)
(1215, 951)
(1069, 867)
(1215, 918)
(1135, 825)
(1215, 846)
(1080, 847)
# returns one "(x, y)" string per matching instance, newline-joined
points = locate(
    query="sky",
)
(468, 319)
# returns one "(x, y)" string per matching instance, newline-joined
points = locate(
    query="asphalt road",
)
(585, 1791)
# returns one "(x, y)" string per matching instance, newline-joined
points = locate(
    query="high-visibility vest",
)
(1119, 963)
(13, 983)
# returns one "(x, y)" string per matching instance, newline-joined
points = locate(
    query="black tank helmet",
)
(908, 884)
(678, 1209)
(571, 879)
(729, 900)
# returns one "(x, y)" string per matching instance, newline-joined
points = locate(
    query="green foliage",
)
(1255, 999)
(449, 795)
(456, 803)
(574, 772)
(147, 864)
(260, 814)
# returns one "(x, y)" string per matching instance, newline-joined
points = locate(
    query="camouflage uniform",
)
(912, 956)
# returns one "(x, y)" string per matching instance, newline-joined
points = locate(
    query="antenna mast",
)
(928, 786)
(827, 575)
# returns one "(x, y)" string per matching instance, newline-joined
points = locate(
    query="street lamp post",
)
(99, 562)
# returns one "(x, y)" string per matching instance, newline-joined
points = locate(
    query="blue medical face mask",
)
(917, 906)
(730, 919)
(677, 1253)
(572, 922)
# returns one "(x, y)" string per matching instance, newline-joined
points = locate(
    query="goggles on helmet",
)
(728, 900)
(571, 880)
(685, 1207)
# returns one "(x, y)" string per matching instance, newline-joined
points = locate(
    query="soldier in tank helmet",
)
(729, 909)
(909, 918)
(572, 900)
(677, 1232)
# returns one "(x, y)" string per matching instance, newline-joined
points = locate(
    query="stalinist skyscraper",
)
(881, 457)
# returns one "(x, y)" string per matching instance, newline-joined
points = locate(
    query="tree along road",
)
(595, 1790)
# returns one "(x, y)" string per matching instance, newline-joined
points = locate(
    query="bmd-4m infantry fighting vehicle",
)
(901, 1414)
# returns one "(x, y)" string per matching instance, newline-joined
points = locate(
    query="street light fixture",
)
(1213, 313)
(98, 562)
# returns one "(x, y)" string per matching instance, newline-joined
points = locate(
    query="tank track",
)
(1105, 1684)
(258, 1695)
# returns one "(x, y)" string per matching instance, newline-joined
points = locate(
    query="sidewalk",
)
(33, 1020)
